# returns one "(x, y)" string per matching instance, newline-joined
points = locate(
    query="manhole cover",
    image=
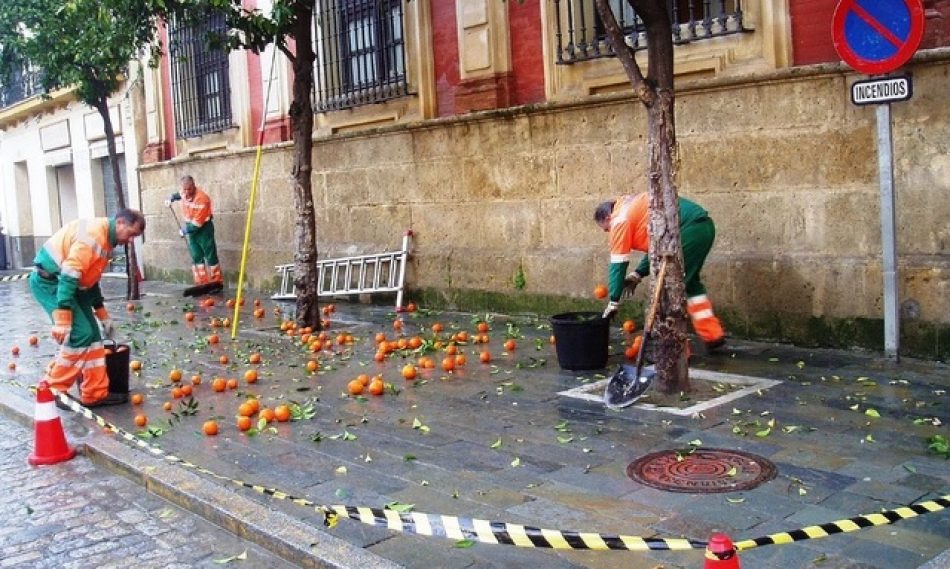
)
(702, 472)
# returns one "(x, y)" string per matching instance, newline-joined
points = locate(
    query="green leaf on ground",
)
(400, 507)
(464, 543)
(496, 444)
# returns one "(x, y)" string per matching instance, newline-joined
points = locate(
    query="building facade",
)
(491, 129)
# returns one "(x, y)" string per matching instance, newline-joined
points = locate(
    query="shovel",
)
(196, 290)
(629, 383)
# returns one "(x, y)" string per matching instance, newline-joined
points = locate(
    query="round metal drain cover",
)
(703, 471)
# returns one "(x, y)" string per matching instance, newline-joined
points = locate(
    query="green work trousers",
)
(202, 247)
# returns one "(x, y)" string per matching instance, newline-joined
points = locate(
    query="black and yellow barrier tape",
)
(451, 527)
(18, 277)
(849, 525)
(492, 532)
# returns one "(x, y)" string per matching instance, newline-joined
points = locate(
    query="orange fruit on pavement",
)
(397, 324)
(510, 345)
(255, 358)
(552, 340)
(409, 372)
(250, 376)
(255, 403)
(282, 413)
(137, 398)
(230, 303)
(219, 384)
(177, 393)
(140, 420)
(460, 360)
(243, 423)
(629, 326)
(130, 307)
(415, 342)
(411, 307)
(11, 366)
(210, 428)
(15, 350)
(268, 414)
(462, 336)
(380, 337)
(312, 366)
(232, 383)
(213, 339)
(355, 387)
(600, 291)
(223, 360)
(376, 387)
(484, 357)
(190, 316)
(258, 313)
(363, 378)
(34, 340)
(174, 375)
(451, 350)
(437, 327)
(167, 406)
(135, 365)
(186, 390)
(245, 409)
(448, 364)
(196, 379)
(482, 327)
(380, 356)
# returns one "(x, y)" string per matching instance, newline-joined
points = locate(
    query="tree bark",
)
(131, 264)
(301, 116)
(655, 91)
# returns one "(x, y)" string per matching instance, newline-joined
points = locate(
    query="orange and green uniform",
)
(200, 230)
(629, 232)
(66, 284)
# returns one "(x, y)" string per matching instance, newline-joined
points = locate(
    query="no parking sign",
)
(877, 36)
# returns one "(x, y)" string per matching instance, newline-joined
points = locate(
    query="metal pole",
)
(885, 160)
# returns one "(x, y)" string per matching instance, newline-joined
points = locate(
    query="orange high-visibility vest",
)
(196, 211)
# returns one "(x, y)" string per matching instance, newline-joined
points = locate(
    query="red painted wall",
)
(445, 54)
(527, 65)
(811, 30)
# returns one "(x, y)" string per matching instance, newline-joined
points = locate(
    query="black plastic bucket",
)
(580, 339)
(117, 366)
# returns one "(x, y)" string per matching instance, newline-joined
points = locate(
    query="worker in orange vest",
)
(65, 281)
(626, 219)
(199, 229)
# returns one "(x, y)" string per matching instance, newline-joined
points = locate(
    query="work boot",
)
(716, 346)
(110, 399)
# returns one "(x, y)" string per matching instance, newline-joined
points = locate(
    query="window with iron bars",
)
(580, 33)
(361, 53)
(22, 83)
(200, 87)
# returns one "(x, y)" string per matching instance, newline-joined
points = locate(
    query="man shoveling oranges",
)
(626, 219)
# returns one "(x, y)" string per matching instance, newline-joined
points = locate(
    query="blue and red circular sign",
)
(877, 36)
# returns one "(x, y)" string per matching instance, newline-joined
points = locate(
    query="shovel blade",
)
(625, 388)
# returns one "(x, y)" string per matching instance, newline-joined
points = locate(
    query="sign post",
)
(877, 37)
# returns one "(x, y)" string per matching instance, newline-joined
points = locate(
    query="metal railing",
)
(361, 53)
(201, 90)
(22, 84)
(580, 33)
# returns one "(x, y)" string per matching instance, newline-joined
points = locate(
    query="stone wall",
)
(785, 164)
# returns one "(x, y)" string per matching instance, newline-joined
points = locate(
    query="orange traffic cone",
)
(721, 553)
(50, 446)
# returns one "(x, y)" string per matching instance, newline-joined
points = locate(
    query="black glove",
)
(630, 284)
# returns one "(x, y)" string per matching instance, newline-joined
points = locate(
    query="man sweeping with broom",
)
(199, 233)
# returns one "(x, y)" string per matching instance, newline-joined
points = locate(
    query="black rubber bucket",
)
(117, 366)
(580, 339)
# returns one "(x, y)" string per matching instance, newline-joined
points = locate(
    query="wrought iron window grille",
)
(201, 90)
(24, 82)
(361, 53)
(580, 33)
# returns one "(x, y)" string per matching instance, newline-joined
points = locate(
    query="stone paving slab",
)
(827, 463)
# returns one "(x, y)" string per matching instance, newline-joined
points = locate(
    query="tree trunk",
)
(131, 264)
(655, 91)
(669, 332)
(301, 116)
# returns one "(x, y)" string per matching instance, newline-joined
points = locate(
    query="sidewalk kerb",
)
(279, 533)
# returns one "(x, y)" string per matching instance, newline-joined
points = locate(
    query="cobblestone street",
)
(75, 514)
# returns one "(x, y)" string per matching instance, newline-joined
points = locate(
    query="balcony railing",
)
(23, 84)
(580, 33)
(361, 53)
